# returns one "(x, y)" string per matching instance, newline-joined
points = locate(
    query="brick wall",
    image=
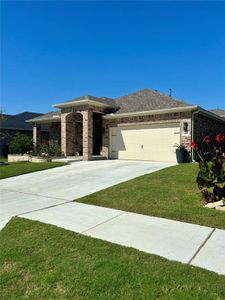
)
(79, 137)
(204, 125)
(55, 132)
(71, 133)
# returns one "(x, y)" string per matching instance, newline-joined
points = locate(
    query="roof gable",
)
(87, 99)
(146, 100)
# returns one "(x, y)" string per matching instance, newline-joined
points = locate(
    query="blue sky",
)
(54, 51)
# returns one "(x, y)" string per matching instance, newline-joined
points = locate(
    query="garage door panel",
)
(145, 142)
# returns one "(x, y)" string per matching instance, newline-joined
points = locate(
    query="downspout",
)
(192, 131)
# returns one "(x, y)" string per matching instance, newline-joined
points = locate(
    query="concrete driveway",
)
(46, 197)
(39, 190)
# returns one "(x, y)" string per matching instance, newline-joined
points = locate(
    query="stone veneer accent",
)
(87, 134)
(63, 134)
(36, 135)
(180, 118)
(203, 126)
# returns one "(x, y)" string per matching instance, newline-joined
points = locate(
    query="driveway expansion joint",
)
(38, 195)
(43, 208)
(201, 246)
(106, 221)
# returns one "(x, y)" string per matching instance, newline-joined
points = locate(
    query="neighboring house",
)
(13, 124)
(219, 112)
(141, 126)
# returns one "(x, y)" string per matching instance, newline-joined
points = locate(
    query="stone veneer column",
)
(63, 133)
(36, 135)
(87, 134)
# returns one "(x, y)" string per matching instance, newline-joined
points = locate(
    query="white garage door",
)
(145, 142)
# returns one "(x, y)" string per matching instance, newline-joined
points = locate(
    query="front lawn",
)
(19, 168)
(169, 193)
(39, 261)
(3, 159)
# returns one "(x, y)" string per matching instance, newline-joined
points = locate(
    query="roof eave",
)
(151, 112)
(44, 120)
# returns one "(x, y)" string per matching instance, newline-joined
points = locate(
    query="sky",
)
(53, 51)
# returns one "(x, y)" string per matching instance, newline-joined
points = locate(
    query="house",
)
(144, 125)
(219, 112)
(13, 124)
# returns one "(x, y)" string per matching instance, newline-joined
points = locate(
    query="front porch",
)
(78, 133)
(77, 127)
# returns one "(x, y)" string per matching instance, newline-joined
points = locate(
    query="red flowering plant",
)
(211, 176)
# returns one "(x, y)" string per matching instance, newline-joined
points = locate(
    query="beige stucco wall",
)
(18, 157)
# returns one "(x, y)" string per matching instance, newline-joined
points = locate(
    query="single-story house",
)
(10, 125)
(219, 112)
(144, 125)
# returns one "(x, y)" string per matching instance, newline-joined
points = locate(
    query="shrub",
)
(43, 150)
(20, 144)
(55, 150)
(211, 176)
(47, 149)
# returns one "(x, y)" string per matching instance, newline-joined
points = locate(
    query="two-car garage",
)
(145, 142)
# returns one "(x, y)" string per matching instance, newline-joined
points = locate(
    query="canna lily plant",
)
(211, 176)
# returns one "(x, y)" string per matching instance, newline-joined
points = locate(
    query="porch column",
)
(63, 133)
(87, 134)
(36, 135)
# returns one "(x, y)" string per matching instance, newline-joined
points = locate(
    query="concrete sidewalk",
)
(187, 243)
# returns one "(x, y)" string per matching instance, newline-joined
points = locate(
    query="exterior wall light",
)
(185, 126)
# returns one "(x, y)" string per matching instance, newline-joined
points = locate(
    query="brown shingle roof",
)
(146, 100)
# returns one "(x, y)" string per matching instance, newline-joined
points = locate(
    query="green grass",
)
(19, 168)
(169, 193)
(3, 159)
(39, 261)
